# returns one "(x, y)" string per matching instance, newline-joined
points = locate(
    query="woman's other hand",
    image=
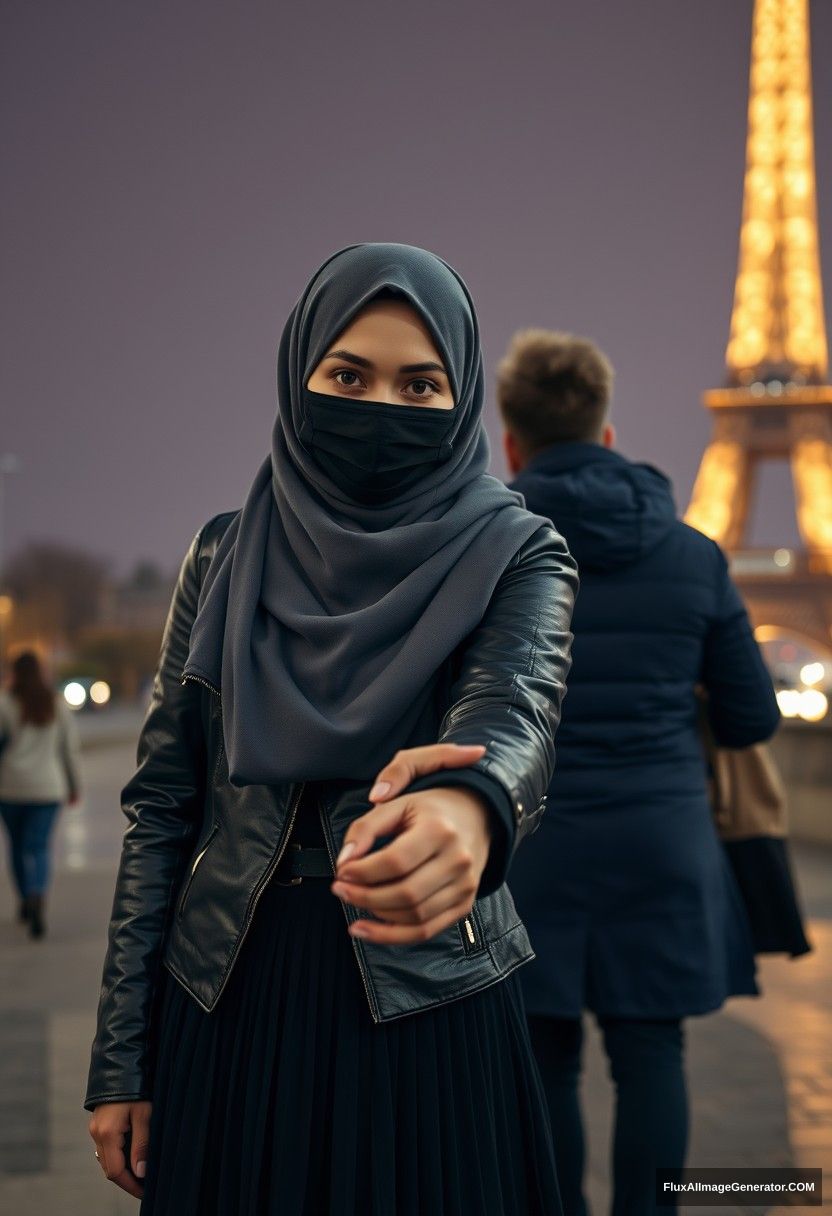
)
(109, 1127)
(426, 878)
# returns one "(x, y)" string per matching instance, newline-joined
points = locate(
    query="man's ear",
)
(514, 456)
(608, 436)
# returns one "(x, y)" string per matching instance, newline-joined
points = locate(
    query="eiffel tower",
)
(777, 402)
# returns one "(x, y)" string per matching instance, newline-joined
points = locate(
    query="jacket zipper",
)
(470, 933)
(184, 896)
(199, 680)
(273, 864)
(469, 936)
(355, 944)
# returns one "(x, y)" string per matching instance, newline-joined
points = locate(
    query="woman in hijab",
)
(366, 556)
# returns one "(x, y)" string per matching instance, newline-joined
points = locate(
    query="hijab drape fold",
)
(323, 620)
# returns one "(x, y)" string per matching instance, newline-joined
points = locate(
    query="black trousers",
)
(646, 1064)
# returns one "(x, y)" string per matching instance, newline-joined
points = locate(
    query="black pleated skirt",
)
(288, 1100)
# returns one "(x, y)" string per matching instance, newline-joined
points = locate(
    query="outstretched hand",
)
(426, 878)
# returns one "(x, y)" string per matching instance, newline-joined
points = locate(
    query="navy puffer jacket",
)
(629, 900)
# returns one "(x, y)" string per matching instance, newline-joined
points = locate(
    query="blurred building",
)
(139, 602)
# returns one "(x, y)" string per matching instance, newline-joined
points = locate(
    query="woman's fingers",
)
(111, 1148)
(416, 839)
(414, 762)
(139, 1137)
(427, 852)
(361, 834)
(441, 881)
(403, 768)
(398, 935)
(108, 1127)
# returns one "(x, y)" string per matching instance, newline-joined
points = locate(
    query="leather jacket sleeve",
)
(507, 693)
(162, 802)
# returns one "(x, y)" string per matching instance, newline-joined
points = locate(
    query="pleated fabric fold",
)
(288, 1100)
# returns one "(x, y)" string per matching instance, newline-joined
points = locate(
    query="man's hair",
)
(553, 388)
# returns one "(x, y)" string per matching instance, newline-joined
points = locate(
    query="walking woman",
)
(361, 672)
(39, 770)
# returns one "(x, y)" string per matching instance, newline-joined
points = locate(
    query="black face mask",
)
(371, 450)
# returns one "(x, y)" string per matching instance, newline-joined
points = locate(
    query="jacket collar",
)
(560, 456)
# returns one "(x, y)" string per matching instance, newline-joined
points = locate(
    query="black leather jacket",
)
(198, 852)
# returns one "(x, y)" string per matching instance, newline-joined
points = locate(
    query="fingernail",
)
(140, 1168)
(380, 789)
(338, 888)
(347, 851)
(358, 930)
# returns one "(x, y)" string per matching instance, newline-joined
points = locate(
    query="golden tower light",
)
(777, 324)
(776, 402)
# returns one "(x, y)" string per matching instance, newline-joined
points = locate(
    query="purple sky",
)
(173, 173)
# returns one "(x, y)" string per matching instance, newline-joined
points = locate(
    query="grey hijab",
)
(324, 621)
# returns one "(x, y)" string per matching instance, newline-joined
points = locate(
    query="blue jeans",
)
(646, 1062)
(29, 825)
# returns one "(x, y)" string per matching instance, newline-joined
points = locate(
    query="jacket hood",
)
(611, 510)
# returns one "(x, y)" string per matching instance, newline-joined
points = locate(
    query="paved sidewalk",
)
(760, 1070)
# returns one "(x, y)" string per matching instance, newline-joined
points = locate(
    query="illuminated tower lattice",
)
(776, 403)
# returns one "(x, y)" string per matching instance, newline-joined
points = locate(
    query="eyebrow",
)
(360, 361)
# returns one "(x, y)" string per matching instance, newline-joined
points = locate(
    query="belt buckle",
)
(294, 879)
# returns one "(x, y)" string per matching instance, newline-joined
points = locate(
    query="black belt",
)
(299, 862)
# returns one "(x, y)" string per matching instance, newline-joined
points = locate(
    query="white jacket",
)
(38, 763)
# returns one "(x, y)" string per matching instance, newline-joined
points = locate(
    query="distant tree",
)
(62, 587)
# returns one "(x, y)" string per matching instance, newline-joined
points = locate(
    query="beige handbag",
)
(748, 797)
(749, 804)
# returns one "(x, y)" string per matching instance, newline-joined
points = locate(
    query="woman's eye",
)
(352, 378)
(422, 388)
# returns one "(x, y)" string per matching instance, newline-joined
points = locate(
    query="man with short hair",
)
(629, 901)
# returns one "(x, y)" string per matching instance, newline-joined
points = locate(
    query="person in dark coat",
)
(630, 903)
